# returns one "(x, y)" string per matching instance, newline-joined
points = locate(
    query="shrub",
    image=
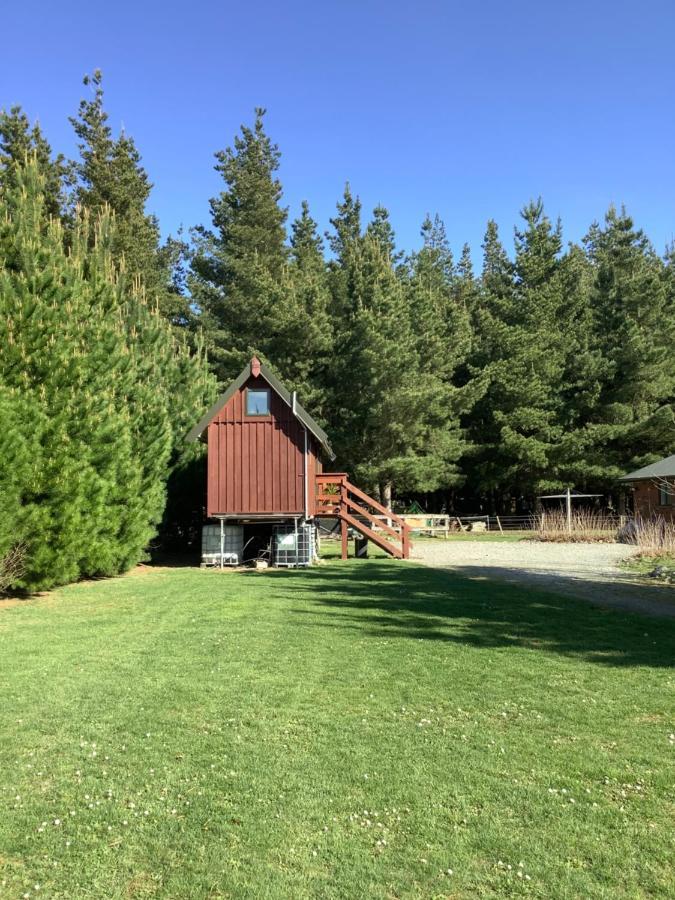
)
(652, 537)
(585, 526)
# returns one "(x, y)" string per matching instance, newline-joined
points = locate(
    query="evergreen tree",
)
(439, 298)
(303, 352)
(432, 279)
(21, 427)
(498, 270)
(632, 421)
(516, 425)
(392, 412)
(101, 383)
(110, 176)
(19, 141)
(346, 227)
(238, 265)
(344, 242)
(582, 374)
(380, 230)
(62, 352)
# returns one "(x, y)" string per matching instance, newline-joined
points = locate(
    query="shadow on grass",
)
(390, 599)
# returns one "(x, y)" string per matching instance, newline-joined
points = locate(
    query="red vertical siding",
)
(646, 501)
(256, 465)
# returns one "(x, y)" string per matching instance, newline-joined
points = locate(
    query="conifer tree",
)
(110, 176)
(431, 285)
(634, 310)
(380, 229)
(516, 425)
(303, 350)
(20, 140)
(103, 381)
(439, 297)
(344, 242)
(20, 463)
(392, 413)
(346, 227)
(63, 354)
(238, 264)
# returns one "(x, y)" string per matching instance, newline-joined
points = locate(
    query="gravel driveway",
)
(588, 571)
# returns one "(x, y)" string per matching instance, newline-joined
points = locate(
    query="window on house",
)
(257, 402)
(666, 494)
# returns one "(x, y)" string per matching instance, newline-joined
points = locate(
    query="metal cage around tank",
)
(293, 546)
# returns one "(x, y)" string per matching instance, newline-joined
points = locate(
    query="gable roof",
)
(256, 368)
(664, 468)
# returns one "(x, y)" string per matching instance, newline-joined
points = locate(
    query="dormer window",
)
(257, 402)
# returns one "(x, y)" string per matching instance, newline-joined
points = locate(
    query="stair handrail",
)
(388, 513)
(373, 518)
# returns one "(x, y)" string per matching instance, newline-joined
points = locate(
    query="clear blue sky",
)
(464, 108)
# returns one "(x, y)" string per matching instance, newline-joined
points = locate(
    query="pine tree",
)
(380, 230)
(529, 375)
(343, 241)
(346, 227)
(21, 428)
(432, 280)
(516, 425)
(303, 350)
(390, 413)
(633, 304)
(102, 380)
(238, 265)
(582, 374)
(110, 176)
(438, 298)
(57, 327)
(19, 141)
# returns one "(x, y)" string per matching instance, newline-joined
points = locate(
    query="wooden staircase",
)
(337, 498)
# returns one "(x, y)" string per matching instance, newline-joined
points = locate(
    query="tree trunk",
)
(386, 494)
(386, 497)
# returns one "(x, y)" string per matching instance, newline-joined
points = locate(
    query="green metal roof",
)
(664, 468)
(300, 413)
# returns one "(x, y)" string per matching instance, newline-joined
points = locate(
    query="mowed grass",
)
(486, 537)
(646, 564)
(363, 729)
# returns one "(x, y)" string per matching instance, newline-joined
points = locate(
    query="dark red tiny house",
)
(265, 466)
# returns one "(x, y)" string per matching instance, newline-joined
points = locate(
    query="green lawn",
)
(491, 536)
(368, 729)
(646, 564)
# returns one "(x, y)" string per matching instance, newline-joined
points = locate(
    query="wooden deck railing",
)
(337, 497)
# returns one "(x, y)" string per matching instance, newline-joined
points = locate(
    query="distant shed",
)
(653, 489)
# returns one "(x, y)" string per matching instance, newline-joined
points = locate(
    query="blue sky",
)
(467, 109)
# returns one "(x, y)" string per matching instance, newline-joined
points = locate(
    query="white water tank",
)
(293, 546)
(233, 545)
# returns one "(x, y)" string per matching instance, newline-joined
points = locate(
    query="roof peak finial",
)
(255, 366)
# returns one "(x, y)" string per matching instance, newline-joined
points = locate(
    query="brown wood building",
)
(264, 450)
(265, 464)
(653, 489)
